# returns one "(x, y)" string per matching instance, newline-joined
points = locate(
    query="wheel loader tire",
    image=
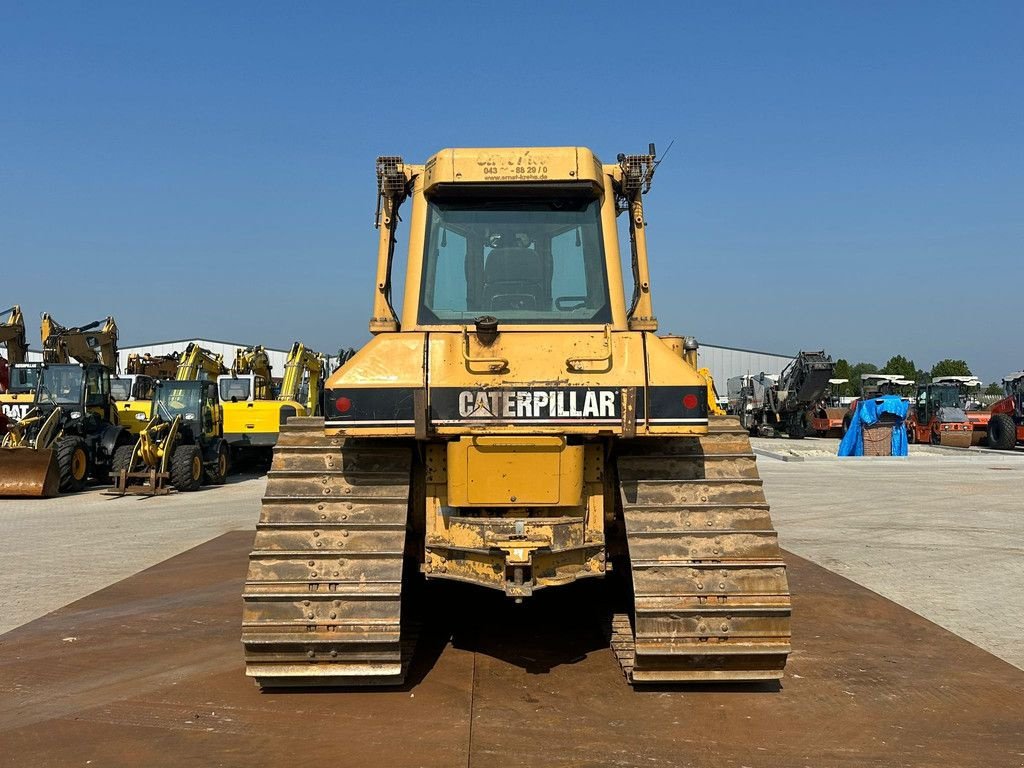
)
(122, 459)
(1002, 432)
(911, 435)
(218, 474)
(72, 464)
(187, 468)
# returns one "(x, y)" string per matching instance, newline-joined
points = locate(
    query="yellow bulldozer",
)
(519, 426)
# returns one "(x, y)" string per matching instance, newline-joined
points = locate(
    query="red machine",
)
(1006, 423)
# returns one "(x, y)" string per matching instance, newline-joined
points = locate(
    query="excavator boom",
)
(199, 363)
(84, 344)
(12, 334)
(302, 360)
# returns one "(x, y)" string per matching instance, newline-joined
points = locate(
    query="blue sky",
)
(844, 175)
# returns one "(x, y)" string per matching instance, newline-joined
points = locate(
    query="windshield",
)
(121, 389)
(521, 262)
(234, 389)
(178, 397)
(946, 396)
(61, 384)
(23, 379)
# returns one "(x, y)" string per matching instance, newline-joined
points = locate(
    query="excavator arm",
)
(87, 344)
(199, 363)
(155, 366)
(252, 360)
(12, 334)
(301, 361)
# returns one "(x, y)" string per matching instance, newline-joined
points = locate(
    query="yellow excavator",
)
(71, 432)
(253, 415)
(95, 343)
(518, 426)
(17, 375)
(303, 378)
(133, 391)
(181, 445)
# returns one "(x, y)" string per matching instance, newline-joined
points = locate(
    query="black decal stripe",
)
(669, 404)
(384, 405)
(557, 405)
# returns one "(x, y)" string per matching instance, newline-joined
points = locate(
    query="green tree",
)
(995, 388)
(901, 365)
(855, 373)
(950, 367)
(842, 371)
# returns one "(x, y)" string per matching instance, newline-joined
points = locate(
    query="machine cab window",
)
(522, 262)
(97, 386)
(23, 379)
(235, 390)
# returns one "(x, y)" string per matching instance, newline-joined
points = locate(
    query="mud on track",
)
(149, 673)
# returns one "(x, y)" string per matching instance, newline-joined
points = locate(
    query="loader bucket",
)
(28, 472)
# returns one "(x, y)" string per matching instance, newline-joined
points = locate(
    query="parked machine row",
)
(165, 423)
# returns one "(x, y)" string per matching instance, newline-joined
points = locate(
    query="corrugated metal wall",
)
(726, 362)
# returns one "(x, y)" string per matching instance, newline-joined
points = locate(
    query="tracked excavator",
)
(71, 431)
(19, 383)
(303, 378)
(521, 428)
(182, 444)
(253, 414)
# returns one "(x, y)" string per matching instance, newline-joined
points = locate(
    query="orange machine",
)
(938, 416)
(826, 416)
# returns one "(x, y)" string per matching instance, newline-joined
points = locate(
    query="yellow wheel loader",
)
(68, 437)
(181, 447)
(520, 428)
(133, 392)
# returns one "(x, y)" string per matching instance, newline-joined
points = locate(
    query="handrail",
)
(572, 363)
(495, 364)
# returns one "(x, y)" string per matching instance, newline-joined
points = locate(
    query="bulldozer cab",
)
(536, 261)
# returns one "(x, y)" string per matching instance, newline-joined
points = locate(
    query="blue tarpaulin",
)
(869, 412)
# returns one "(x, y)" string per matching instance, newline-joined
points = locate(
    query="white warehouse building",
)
(726, 362)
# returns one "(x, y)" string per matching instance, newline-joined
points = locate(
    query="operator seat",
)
(514, 279)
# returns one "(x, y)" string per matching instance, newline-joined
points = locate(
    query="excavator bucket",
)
(28, 472)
